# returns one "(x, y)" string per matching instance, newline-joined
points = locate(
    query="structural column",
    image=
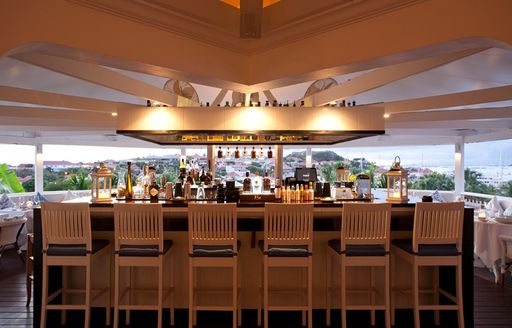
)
(38, 169)
(459, 166)
(278, 168)
(309, 157)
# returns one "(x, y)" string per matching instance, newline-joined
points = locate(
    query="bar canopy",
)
(250, 125)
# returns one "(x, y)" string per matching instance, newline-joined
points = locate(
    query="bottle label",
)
(153, 192)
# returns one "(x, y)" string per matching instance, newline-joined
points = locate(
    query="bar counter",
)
(327, 223)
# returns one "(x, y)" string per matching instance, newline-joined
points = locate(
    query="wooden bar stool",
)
(139, 242)
(364, 242)
(436, 241)
(212, 240)
(67, 242)
(288, 242)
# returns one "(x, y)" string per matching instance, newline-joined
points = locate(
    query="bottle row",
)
(244, 154)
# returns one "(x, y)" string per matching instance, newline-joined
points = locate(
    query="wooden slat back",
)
(66, 224)
(212, 224)
(138, 224)
(438, 223)
(366, 224)
(288, 224)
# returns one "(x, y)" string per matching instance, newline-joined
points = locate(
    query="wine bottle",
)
(269, 153)
(247, 183)
(266, 183)
(237, 153)
(129, 187)
(154, 189)
(253, 153)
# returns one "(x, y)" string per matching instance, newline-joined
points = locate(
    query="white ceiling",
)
(478, 119)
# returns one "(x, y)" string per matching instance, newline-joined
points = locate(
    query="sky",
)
(476, 154)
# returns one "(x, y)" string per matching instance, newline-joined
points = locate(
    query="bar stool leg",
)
(387, 293)
(437, 320)
(160, 291)
(116, 292)
(108, 259)
(88, 293)
(130, 289)
(64, 294)
(372, 289)
(190, 294)
(235, 290)
(343, 293)
(310, 292)
(44, 296)
(415, 292)
(171, 284)
(265, 292)
(460, 310)
(392, 291)
(328, 291)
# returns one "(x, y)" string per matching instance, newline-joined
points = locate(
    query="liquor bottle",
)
(237, 153)
(306, 193)
(247, 183)
(219, 152)
(253, 153)
(228, 154)
(277, 190)
(301, 193)
(154, 189)
(311, 192)
(244, 153)
(202, 176)
(262, 155)
(266, 183)
(145, 181)
(190, 178)
(129, 188)
(292, 194)
(269, 152)
(266, 103)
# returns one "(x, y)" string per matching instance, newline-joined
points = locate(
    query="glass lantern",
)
(101, 186)
(397, 182)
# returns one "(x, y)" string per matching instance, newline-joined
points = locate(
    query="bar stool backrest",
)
(438, 223)
(365, 224)
(66, 224)
(212, 224)
(138, 224)
(288, 224)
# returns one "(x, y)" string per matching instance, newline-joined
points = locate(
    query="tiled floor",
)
(493, 307)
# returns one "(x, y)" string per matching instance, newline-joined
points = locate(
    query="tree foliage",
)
(9, 181)
(472, 183)
(434, 181)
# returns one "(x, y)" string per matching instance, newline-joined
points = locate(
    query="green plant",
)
(9, 181)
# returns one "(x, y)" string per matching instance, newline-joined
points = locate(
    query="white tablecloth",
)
(487, 246)
(12, 213)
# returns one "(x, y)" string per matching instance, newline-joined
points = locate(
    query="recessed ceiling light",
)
(114, 114)
(386, 115)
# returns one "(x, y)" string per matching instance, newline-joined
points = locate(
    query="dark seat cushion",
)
(357, 250)
(76, 250)
(427, 250)
(144, 250)
(284, 250)
(215, 250)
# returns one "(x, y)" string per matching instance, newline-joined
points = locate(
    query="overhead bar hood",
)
(250, 125)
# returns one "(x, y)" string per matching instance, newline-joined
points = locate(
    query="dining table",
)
(487, 245)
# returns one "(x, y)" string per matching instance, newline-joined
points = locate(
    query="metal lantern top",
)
(102, 171)
(396, 164)
(396, 169)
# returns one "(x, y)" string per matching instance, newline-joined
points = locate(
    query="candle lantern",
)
(101, 186)
(397, 181)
